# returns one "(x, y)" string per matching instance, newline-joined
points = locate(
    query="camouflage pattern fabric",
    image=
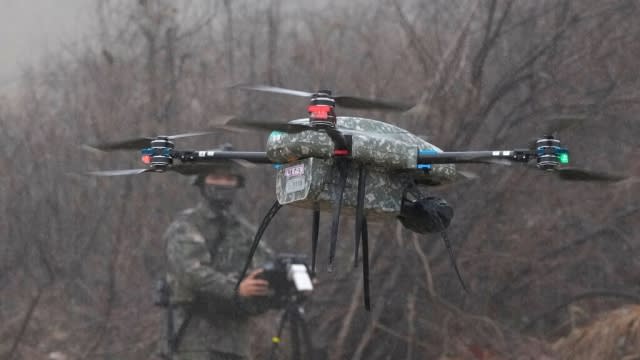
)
(385, 144)
(312, 183)
(307, 177)
(206, 250)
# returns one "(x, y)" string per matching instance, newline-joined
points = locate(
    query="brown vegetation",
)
(614, 335)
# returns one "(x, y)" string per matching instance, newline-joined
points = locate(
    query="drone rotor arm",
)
(480, 157)
(197, 156)
(518, 155)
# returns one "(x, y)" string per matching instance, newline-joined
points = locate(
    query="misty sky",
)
(29, 28)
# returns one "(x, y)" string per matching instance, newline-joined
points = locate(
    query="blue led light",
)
(277, 166)
(426, 167)
(147, 151)
(427, 151)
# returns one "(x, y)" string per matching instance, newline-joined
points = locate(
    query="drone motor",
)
(158, 156)
(321, 109)
(550, 154)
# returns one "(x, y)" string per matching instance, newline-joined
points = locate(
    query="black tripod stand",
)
(293, 315)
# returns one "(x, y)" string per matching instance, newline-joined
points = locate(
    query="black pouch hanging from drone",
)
(426, 214)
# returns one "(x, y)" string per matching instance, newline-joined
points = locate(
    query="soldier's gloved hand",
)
(253, 286)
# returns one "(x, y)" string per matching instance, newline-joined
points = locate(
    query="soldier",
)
(206, 250)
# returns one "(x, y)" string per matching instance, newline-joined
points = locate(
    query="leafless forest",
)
(543, 257)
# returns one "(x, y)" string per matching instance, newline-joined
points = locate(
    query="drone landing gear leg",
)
(361, 232)
(314, 239)
(359, 211)
(337, 206)
(365, 264)
(256, 240)
(452, 257)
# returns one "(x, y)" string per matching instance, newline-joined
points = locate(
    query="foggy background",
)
(553, 266)
(29, 29)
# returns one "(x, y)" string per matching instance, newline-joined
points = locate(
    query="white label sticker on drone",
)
(292, 171)
(294, 184)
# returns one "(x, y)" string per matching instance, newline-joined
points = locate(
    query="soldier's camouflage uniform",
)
(206, 250)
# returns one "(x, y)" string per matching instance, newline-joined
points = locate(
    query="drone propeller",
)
(547, 152)
(574, 174)
(142, 142)
(541, 149)
(558, 123)
(268, 125)
(119, 172)
(352, 102)
(185, 169)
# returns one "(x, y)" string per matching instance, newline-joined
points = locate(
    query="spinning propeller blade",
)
(119, 172)
(268, 125)
(141, 142)
(560, 123)
(575, 174)
(352, 102)
(129, 144)
(274, 89)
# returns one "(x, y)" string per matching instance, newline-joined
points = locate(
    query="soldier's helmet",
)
(219, 182)
(229, 168)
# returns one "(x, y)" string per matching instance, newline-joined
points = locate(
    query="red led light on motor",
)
(319, 111)
(320, 115)
(146, 159)
(340, 152)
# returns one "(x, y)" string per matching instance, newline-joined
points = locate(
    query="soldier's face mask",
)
(220, 190)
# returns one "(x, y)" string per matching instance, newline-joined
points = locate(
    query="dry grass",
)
(615, 335)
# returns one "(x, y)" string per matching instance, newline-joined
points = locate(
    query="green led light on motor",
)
(563, 157)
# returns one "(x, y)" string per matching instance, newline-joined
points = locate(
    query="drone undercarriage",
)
(313, 184)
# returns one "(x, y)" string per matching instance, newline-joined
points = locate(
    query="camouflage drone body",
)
(307, 176)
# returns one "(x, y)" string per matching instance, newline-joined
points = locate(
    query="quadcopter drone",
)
(362, 167)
